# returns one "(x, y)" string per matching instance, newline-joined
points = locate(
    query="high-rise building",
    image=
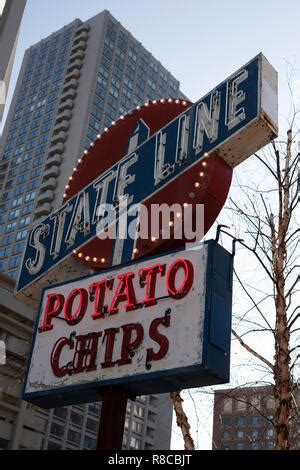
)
(244, 419)
(11, 13)
(71, 86)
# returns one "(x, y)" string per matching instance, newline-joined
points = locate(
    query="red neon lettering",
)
(98, 289)
(110, 335)
(81, 309)
(54, 306)
(125, 291)
(160, 339)
(55, 356)
(128, 345)
(86, 352)
(186, 285)
(151, 275)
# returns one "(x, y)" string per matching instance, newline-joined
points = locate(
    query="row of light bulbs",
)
(106, 129)
(86, 151)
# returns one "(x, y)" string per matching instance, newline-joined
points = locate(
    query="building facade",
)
(244, 417)
(11, 13)
(72, 85)
(20, 427)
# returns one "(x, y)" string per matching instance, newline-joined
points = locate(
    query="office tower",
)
(11, 12)
(243, 419)
(71, 86)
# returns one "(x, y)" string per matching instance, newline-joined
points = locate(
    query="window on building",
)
(136, 426)
(30, 196)
(53, 445)
(21, 235)
(240, 446)
(73, 436)
(33, 184)
(270, 432)
(14, 262)
(95, 409)
(92, 425)
(57, 429)
(89, 443)
(226, 421)
(4, 252)
(25, 221)
(225, 447)
(270, 445)
(138, 411)
(254, 445)
(10, 227)
(17, 248)
(27, 209)
(14, 214)
(240, 421)
(255, 420)
(76, 418)
(60, 412)
(226, 435)
(17, 201)
(239, 434)
(135, 443)
(7, 240)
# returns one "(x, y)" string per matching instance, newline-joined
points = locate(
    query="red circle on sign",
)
(206, 182)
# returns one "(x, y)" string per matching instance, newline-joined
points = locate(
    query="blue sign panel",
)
(208, 125)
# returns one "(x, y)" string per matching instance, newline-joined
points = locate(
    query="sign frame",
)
(215, 366)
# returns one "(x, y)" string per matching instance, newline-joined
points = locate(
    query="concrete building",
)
(11, 13)
(20, 428)
(71, 86)
(243, 419)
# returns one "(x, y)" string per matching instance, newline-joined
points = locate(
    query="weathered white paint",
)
(185, 332)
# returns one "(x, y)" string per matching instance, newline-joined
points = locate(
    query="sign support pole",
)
(113, 412)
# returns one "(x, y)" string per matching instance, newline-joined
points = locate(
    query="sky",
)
(201, 43)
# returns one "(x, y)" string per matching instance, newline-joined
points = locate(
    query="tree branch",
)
(251, 351)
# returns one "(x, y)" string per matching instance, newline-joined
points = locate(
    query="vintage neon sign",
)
(169, 152)
(148, 327)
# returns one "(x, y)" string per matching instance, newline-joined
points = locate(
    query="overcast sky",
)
(201, 43)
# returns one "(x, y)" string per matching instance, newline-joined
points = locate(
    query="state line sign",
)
(234, 120)
(158, 325)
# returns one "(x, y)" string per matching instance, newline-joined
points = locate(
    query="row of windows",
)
(8, 239)
(144, 59)
(23, 178)
(255, 433)
(253, 446)
(19, 190)
(241, 420)
(11, 263)
(16, 249)
(44, 65)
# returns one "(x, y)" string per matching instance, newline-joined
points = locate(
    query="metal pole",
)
(111, 427)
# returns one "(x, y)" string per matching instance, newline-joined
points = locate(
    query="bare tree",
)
(268, 229)
(182, 421)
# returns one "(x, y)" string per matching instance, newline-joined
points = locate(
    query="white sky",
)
(201, 43)
(2, 5)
